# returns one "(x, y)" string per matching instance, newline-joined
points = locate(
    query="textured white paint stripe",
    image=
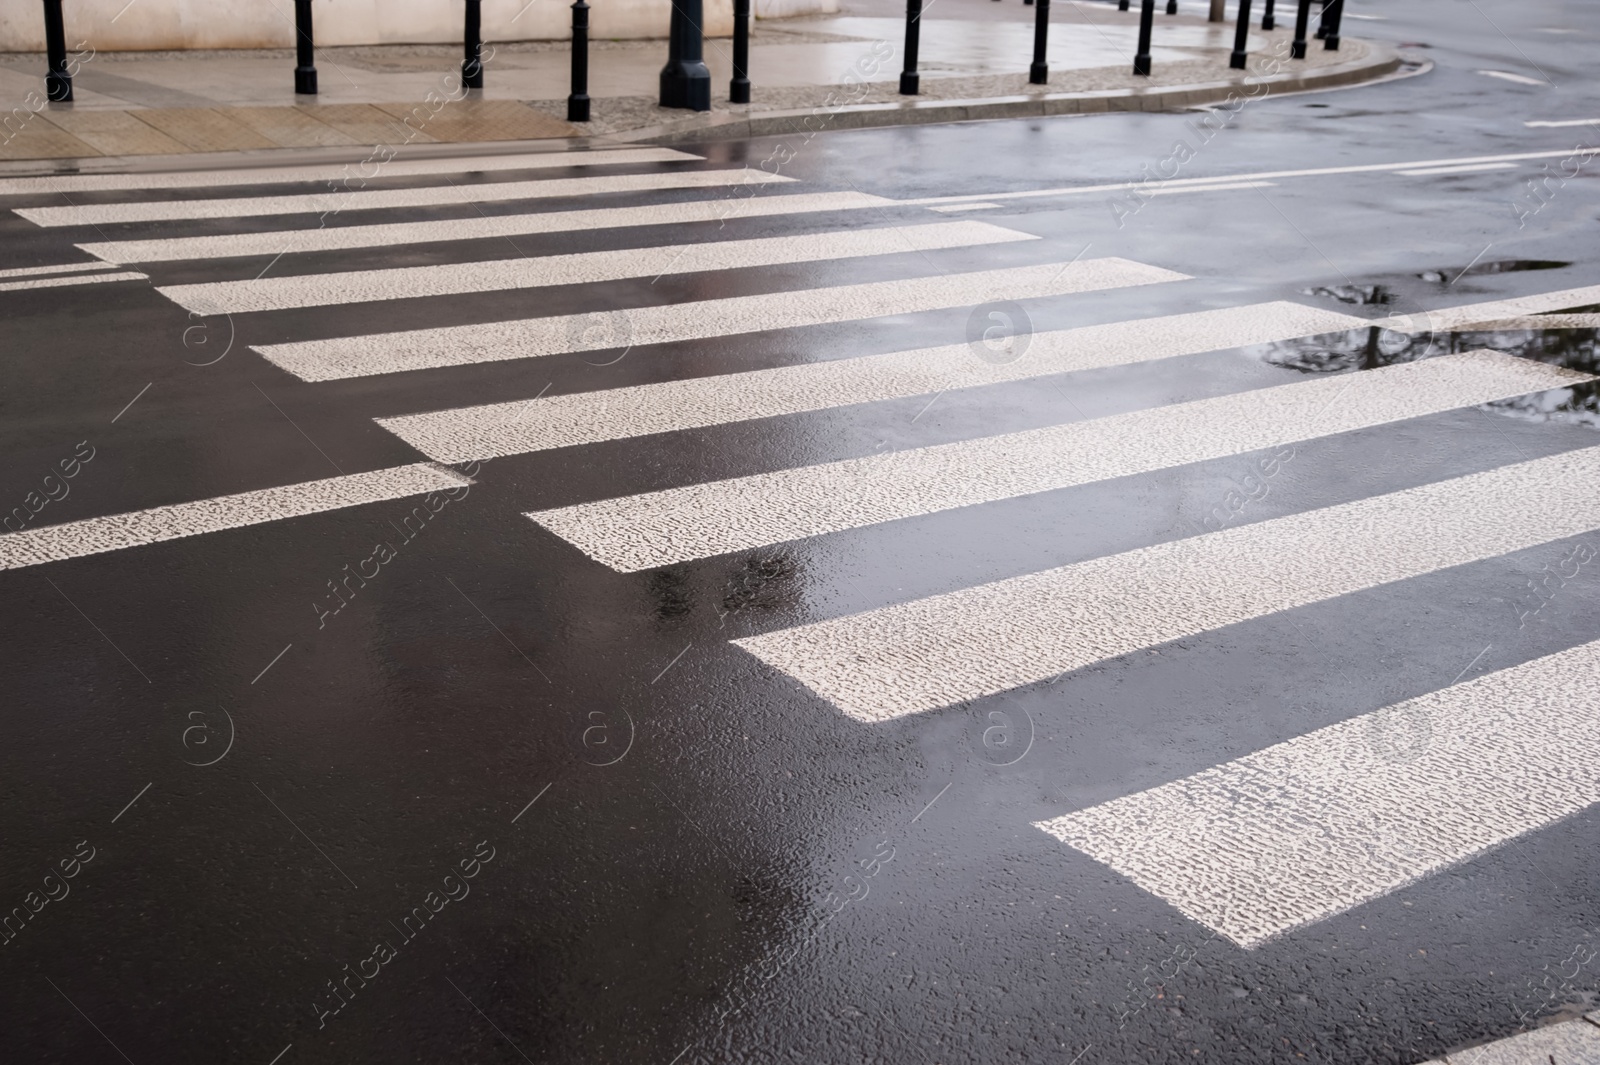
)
(366, 286)
(1447, 318)
(1221, 187)
(374, 199)
(336, 171)
(327, 360)
(92, 536)
(59, 268)
(588, 417)
(1537, 322)
(698, 521)
(934, 652)
(406, 234)
(1307, 829)
(1565, 123)
(63, 282)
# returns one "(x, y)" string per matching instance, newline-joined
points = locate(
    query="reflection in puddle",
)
(1369, 348)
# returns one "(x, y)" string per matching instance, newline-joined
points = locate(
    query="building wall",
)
(117, 25)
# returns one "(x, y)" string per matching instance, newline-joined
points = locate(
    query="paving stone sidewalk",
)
(974, 61)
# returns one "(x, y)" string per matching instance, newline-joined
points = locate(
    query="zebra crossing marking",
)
(413, 282)
(639, 532)
(280, 175)
(93, 536)
(422, 349)
(934, 652)
(96, 214)
(76, 279)
(1461, 317)
(407, 234)
(519, 426)
(58, 268)
(1310, 828)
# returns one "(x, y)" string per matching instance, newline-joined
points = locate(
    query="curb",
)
(1379, 63)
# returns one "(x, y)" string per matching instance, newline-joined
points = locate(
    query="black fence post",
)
(578, 101)
(1241, 35)
(739, 87)
(1331, 39)
(1268, 22)
(1172, 7)
(1039, 72)
(57, 81)
(305, 71)
(1147, 14)
(686, 80)
(1322, 21)
(1122, 5)
(472, 38)
(1302, 19)
(908, 77)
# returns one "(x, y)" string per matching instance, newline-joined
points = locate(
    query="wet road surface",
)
(732, 603)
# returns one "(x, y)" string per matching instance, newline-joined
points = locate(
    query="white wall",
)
(117, 25)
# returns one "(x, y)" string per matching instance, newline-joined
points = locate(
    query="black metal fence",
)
(686, 81)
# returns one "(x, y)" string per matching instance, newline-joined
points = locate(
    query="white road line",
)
(354, 172)
(1520, 79)
(1303, 830)
(62, 282)
(935, 652)
(1471, 169)
(407, 234)
(952, 208)
(328, 360)
(376, 199)
(59, 268)
(1146, 187)
(1228, 186)
(698, 521)
(1460, 317)
(93, 536)
(513, 428)
(412, 282)
(1564, 123)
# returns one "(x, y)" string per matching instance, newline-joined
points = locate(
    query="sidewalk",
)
(974, 60)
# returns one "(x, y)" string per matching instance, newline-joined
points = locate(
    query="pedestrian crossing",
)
(1253, 848)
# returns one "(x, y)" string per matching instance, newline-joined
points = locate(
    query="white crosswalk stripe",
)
(679, 524)
(498, 429)
(935, 652)
(327, 360)
(406, 234)
(1307, 829)
(93, 536)
(274, 175)
(343, 200)
(365, 286)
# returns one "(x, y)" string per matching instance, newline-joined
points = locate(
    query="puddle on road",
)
(1405, 296)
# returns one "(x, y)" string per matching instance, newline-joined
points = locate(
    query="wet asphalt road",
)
(633, 841)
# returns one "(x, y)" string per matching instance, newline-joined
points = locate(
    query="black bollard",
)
(1302, 18)
(908, 77)
(1240, 35)
(739, 87)
(472, 37)
(686, 80)
(578, 101)
(57, 81)
(1331, 39)
(1147, 14)
(1322, 21)
(1039, 73)
(1267, 21)
(1172, 7)
(305, 72)
(1122, 5)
